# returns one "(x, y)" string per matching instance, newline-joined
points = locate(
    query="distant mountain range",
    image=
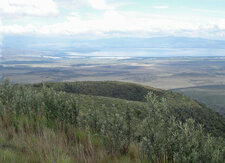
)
(72, 43)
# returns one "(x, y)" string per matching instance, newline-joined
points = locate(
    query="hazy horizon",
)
(99, 26)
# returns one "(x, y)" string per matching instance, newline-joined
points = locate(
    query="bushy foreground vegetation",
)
(180, 106)
(45, 125)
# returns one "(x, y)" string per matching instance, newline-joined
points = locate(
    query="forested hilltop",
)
(105, 122)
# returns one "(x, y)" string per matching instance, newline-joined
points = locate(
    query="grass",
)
(23, 142)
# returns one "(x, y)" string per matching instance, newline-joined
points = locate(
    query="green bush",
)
(157, 134)
(164, 137)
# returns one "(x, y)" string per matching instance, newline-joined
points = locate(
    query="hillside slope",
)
(181, 106)
(211, 95)
(42, 123)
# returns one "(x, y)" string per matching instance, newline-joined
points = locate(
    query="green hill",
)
(122, 90)
(212, 95)
(105, 122)
(181, 106)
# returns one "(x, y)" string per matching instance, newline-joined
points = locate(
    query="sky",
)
(114, 18)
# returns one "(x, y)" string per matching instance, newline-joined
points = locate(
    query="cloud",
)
(209, 11)
(161, 7)
(100, 4)
(125, 23)
(28, 7)
(94, 4)
(220, 23)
